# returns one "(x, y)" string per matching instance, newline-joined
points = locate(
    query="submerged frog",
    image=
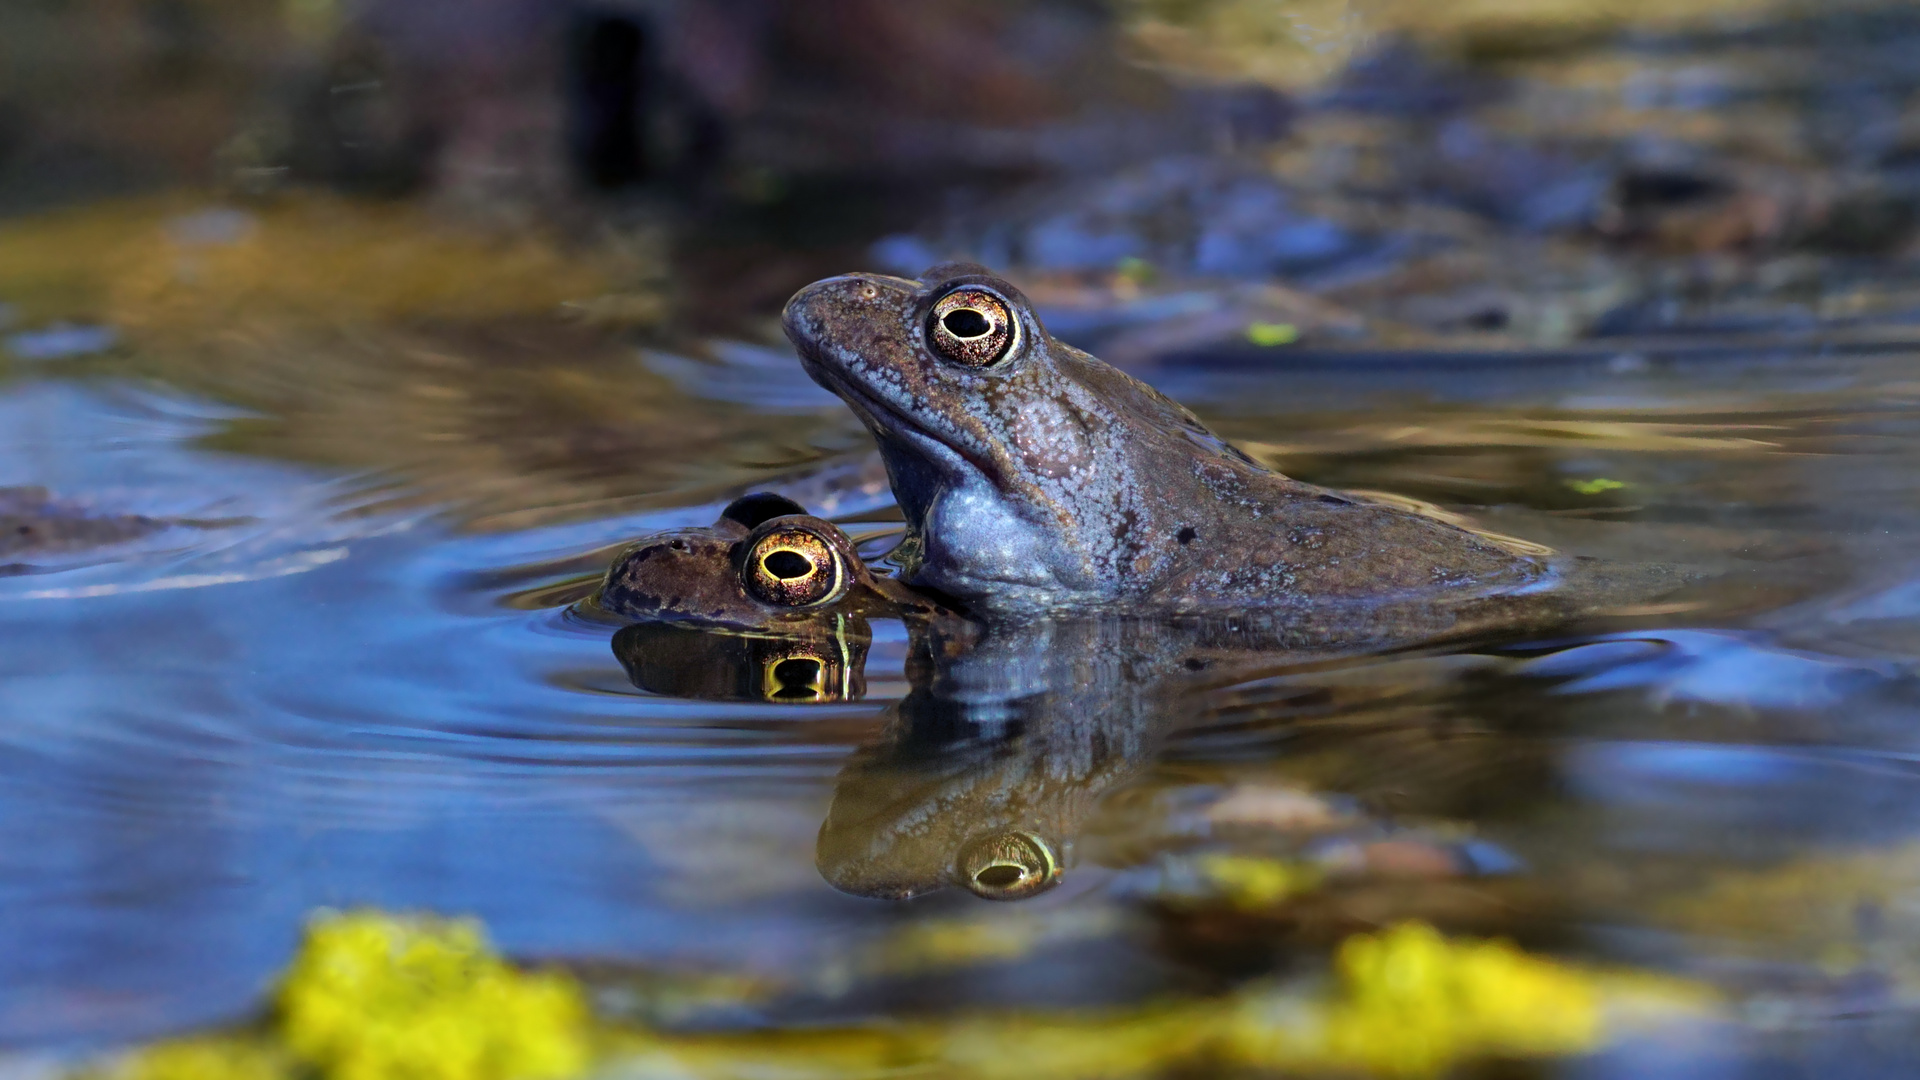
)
(765, 563)
(1034, 477)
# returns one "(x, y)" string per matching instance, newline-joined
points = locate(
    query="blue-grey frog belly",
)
(1033, 476)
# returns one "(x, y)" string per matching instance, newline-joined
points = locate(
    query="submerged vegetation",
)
(372, 996)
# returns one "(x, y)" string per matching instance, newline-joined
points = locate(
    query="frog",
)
(764, 564)
(1036, 478)
(769, 603)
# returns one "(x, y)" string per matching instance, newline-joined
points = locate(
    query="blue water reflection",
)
(205, 742)
(305, 694)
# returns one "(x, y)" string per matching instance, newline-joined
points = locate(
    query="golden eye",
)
(1009, 866)
(790, 566)
(971, 326)
(801, 676)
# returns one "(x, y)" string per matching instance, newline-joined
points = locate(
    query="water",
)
(1644, 295)
(325, 696)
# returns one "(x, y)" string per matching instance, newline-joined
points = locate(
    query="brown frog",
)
(765, 563)
(1034, 477)
(767, 603)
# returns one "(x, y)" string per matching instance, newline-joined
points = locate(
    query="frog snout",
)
(838, 308)
(801, 318)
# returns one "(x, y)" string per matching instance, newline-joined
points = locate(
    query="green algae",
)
(211, 1058)
(1837, 911)
(1270, 334)
(371, 996)
(1599, 485)
(1245, 882)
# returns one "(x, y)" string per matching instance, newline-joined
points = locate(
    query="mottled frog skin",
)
(731, 574)
(1034, 477)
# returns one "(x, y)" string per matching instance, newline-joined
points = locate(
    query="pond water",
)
(303, 497)
(311, 693)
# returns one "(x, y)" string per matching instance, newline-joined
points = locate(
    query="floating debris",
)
(1599, 485)
(1267, 334)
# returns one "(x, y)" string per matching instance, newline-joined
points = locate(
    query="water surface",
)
(319, 694)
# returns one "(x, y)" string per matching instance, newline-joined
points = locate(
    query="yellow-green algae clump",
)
(372, 997)
(1413, 1002)
(381, 997)
(1254, 884)
(377, 997)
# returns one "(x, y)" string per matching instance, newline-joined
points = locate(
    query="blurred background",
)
(1161, 176)
(342, 343)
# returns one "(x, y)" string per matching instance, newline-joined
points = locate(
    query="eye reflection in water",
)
(1010, 866)
(807, 663)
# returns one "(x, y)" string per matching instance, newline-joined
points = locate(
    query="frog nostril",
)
(787, 565)
(966, 323)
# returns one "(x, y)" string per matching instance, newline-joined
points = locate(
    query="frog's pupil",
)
(966, 323)
(787, 565)
(1000, 876)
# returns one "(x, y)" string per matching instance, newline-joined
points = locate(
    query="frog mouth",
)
(885, 419)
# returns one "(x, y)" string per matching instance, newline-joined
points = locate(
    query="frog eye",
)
(1009, 866)
(971, 326)
(789, 564)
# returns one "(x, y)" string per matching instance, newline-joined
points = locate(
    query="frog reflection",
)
(1002, 759)
(1014, 731)
(1002, 750)
(817, 663)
